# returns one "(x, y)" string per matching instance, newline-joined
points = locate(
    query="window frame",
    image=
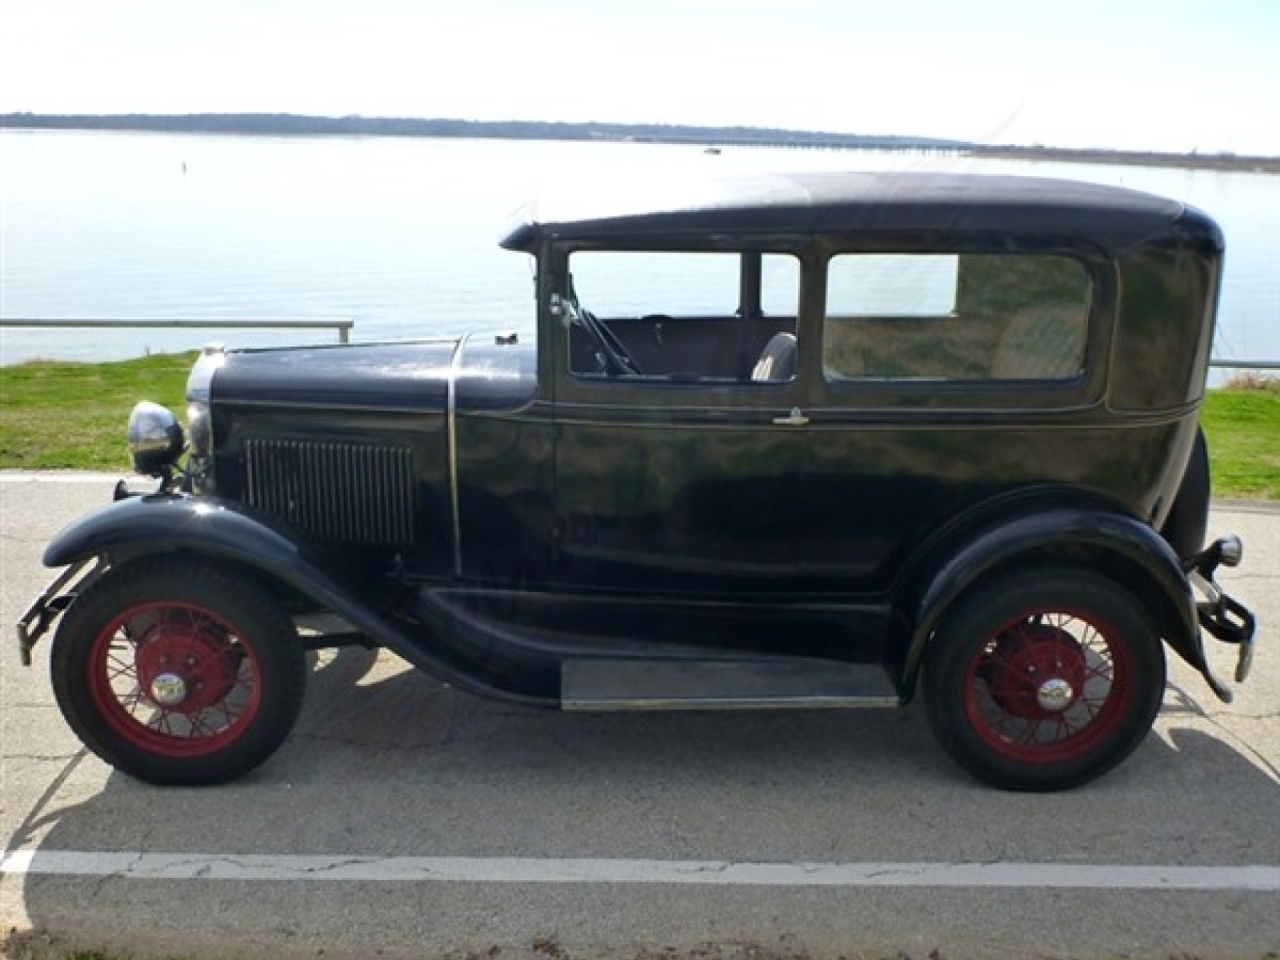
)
(647, 397)
(910, 397)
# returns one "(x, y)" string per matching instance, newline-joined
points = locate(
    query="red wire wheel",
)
(1048, 687)
(174, 679)
(1044, 679)
(178, 671)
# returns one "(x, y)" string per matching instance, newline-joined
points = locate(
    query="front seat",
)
(777, 362)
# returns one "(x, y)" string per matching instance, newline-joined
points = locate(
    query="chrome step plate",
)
(676, 684)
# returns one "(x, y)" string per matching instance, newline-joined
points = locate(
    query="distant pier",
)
(283, 124)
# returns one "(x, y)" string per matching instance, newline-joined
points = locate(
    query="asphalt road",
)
(403, 819)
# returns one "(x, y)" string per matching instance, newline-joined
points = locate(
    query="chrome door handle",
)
(795, 418)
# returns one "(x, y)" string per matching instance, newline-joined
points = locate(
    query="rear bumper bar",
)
(1222, 616)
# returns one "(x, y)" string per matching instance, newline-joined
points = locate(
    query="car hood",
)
(482, 374)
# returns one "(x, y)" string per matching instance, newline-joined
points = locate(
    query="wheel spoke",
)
(162, 722)
(122, 670)
(1029, 734)
(198, 726)
(132, 700)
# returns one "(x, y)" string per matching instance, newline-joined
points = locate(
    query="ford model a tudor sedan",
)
(817, 441)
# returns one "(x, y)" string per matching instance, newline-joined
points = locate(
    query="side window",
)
(684, 316)
(892, 285)
(966, 316)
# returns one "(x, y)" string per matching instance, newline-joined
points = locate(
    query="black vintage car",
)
(816, 441)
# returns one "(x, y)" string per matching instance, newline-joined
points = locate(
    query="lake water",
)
(400, 235)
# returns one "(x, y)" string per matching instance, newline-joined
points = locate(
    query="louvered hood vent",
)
(349, 492)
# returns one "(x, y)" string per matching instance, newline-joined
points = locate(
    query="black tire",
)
(1187, 524)
(178, 671)
(1044, 678)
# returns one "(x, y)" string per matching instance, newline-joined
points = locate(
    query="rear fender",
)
(225, 532)
(1129, 551)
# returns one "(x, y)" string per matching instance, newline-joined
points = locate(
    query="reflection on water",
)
(400, 234)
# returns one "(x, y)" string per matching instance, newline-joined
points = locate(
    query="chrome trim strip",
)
(745, 703)
(590, 705)
(451, 429)
(604, 684)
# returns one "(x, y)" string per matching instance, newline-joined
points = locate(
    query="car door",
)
(684, 466)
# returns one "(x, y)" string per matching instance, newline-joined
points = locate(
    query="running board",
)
(603, 684)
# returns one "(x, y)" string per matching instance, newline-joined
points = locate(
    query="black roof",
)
(1114, 217)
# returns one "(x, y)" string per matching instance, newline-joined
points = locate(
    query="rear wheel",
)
(178, 671)
(1044, 679)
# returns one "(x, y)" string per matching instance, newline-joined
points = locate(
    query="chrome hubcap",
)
(168, 689)
(1055, 695)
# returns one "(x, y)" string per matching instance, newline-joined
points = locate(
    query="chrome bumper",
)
(1222, 616)
(37, 619)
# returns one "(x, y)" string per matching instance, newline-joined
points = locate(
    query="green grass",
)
(71, 416)
(1243, 429)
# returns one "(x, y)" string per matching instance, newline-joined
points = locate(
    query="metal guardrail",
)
(1245, 364)
(265, 323)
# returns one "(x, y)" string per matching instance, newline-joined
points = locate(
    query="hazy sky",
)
(1164, 74)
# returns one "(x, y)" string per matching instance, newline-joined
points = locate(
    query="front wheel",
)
(1044, 679)
(178, 672)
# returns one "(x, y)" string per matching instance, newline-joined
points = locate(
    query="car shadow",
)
(386, 762)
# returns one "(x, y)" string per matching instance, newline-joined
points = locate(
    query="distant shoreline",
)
(283, 124)
(1135, 158)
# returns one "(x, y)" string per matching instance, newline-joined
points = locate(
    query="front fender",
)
(1115, 544)
(165, 522)
(227, 532)
(222, 530)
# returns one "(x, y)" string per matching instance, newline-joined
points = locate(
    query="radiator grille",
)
(354, 493)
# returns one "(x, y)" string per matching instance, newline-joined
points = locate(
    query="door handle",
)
(795, 418)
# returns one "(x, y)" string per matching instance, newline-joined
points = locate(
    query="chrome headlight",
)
(200, 380)
(199, 416)
(155, 439)
(200, 430)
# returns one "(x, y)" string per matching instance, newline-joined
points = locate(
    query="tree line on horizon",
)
(288, 123)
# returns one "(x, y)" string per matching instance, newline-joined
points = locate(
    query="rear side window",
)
(964, 316)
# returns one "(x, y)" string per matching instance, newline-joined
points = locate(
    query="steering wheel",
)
(617, 358)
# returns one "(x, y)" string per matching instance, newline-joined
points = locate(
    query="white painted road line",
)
(199, 866)
(67, 476)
